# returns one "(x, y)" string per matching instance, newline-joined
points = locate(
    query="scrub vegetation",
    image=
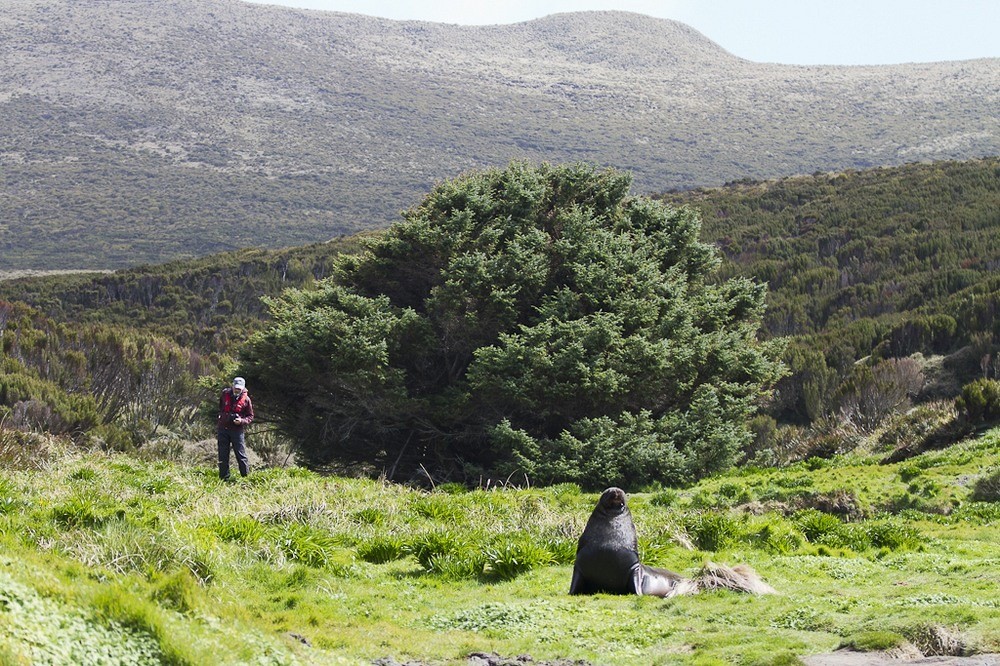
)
(883, 284)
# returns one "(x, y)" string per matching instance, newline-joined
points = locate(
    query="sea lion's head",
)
(612, 501)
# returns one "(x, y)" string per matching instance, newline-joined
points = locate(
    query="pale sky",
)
(800, 32)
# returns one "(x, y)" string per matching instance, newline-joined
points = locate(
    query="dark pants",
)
(232, 439)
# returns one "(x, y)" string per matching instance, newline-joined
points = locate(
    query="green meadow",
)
(142, 559)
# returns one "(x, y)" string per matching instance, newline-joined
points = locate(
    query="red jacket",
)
(230, 405)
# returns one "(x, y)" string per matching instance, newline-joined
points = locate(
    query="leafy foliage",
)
(534, 317)
(980, 401)
(864, 267)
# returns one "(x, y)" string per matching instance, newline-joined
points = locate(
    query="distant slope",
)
(203, 303)
(141, 131)
(881, 243)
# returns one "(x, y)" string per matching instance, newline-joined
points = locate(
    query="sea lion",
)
(607, 560)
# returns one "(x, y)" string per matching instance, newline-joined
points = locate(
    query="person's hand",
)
(237, 419)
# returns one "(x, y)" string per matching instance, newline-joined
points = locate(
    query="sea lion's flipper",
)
(638, 577)
(663, 583)
(576, 584)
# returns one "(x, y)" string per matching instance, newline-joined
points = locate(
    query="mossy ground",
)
(130, 561)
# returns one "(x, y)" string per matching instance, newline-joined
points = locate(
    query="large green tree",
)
(533, 319)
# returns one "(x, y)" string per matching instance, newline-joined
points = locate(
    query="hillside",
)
(841, 247)
(878, 264)
(139, 132)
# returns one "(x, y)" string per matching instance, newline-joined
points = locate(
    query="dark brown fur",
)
(607, 560)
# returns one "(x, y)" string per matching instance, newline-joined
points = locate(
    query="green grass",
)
(107, 557)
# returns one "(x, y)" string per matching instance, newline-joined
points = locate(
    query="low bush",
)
(979, 402)
(911, 429)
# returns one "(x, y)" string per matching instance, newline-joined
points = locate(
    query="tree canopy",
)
(533, 319)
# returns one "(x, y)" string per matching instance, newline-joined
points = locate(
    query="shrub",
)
(534, 320)
(913, 428)
(871, 394)
(979, 402)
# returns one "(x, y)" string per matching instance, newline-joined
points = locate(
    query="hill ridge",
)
(144, 129)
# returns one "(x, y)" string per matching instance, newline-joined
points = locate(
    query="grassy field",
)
(123, 560)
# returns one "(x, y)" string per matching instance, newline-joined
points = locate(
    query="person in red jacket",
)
(235, 412)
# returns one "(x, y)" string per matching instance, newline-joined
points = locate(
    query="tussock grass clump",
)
(935, 640)
(178, 591)
(370, 516)
(448, 553)
(244, 530)
(562, 549)
(987, 487)
(382, 549)
(509, 557)
(87, 512)
(308, 545)
(715, 531)
(438, 508)
(24, 450)
(123, 546)
(819, 527)
(10, 499)
(873, 641)
(890, 533)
